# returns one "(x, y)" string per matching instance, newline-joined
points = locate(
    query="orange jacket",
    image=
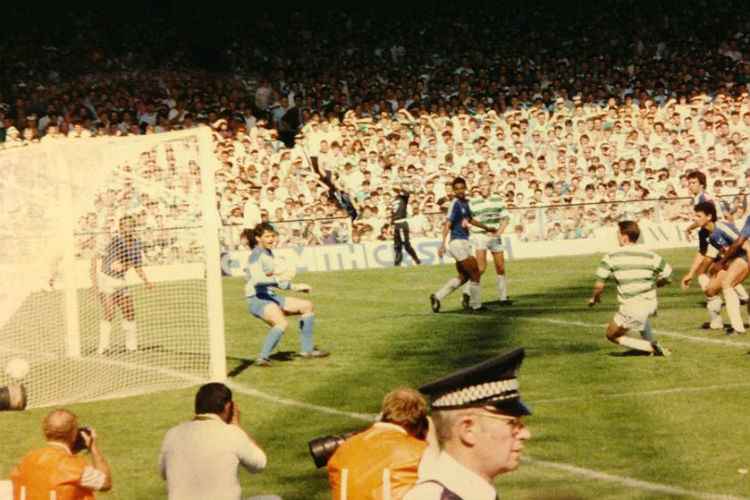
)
(366, 455)
(50, 469)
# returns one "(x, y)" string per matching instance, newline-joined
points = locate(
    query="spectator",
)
(56, 469)
(199, 458)
(393, 446)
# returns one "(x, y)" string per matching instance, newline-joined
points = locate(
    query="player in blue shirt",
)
(697, 186)
(457, 223)
(124, 252)
(262, 277)
(732, 270)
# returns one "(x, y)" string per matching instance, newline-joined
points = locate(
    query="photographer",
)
(199, 458)
(394, 444)
(56, 467)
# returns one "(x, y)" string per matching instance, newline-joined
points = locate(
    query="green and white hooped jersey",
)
(489, 211)
(635, 271)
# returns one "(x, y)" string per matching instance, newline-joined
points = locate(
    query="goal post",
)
(72, 279)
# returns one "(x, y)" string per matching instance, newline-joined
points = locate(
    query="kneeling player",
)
(638, 273)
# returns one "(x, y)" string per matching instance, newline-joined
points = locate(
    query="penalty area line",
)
(666, 333)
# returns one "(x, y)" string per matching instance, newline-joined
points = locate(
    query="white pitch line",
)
(365, 417)
(655, 392)
(666, 333)
(629, 481)
(567, 468)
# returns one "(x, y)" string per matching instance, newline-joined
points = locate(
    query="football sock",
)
(105, 333)
(306, 332)
(475, 295)
(446, 290)
(732, 302)
(648, 333)
(502, 287)
(713, 305)
(131, 336)
(741, 292)
(272, 340)
(637, 344)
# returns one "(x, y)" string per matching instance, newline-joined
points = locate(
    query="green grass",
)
(592, 410)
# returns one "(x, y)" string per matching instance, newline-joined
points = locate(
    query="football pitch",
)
(605, 426)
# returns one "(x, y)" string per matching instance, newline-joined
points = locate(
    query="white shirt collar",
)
(460, 480)
(388, 425)
(58, 444)
(209, 416)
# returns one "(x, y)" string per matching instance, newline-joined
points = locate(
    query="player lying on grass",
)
(730, 270)
(265, 304)
(637, 272)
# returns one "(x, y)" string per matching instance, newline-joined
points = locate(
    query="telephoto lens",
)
(323, 448)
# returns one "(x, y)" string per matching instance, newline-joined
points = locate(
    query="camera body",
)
(80, 442)
(323, 448)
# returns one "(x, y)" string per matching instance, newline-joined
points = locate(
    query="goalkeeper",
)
(262, 276)
(125, 251)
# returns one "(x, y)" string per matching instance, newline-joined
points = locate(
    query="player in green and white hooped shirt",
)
(490, 210)
(638, 273)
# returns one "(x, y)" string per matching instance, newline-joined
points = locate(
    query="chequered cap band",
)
(501, 389)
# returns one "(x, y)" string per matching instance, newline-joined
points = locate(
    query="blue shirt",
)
(458, 212)
(259, 274)
(723, 235)
(129, 253)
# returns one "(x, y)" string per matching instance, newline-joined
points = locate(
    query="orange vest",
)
(50, 469)
(365, 456)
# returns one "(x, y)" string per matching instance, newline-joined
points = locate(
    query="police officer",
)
(477, 413)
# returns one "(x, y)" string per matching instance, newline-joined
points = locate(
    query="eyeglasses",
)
(515, 423)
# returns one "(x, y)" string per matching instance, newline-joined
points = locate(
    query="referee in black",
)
(399, 214)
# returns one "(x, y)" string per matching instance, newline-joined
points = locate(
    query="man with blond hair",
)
(382, 462)
(55, 470)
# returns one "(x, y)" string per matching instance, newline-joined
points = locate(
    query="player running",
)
(124, 252)
(732, 270)
(457, 225)
(272, 308)
(638, 272)
(490, 210)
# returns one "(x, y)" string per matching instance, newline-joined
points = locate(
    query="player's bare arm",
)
(478, 224)
(142, 274)
(596, 295)
(446, 230)
(698, 268)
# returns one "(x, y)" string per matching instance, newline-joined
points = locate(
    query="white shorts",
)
(484, 241)
(460, 250)
(634, 314)
(109, 284)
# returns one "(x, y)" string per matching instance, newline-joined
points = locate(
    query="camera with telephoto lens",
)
(323, 448)
(80, 442)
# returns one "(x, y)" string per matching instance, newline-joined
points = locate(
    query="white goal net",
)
(109, 266)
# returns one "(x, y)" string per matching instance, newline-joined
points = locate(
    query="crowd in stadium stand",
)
(614, 103)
